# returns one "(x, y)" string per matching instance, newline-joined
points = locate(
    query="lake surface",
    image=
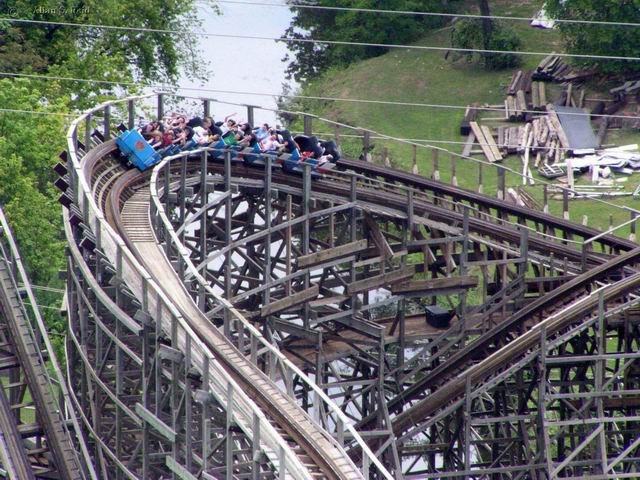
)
(243, 64)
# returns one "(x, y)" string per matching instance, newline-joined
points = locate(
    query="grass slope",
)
(421, 76)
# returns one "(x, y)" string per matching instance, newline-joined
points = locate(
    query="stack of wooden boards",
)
(543, 139)
(553, 68)
(484, 137)
(522, 86)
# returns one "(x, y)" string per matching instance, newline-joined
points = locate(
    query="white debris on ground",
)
(541, 20)
(606, 168)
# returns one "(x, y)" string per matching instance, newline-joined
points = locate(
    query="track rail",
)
(533, 314)
(111, 190)
(116, 204)
(461, 194)
(26, 347)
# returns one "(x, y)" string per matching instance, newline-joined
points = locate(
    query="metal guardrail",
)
(227, 392)
(341, 421)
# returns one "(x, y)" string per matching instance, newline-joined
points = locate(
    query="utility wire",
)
(36, 112)
(45, 288)
(373, 137)
(293, 96)
(314, 41)
(424, 14)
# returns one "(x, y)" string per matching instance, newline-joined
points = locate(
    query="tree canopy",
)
(91, 52)
(31, 142)
(593, 39)
(311, 58)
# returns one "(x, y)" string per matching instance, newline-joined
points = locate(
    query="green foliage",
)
(109, 54)
(592, 39)
(311, 59)
(29, 145)
(468, 34)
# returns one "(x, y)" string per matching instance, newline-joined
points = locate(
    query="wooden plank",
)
(602, 130)
(522, 104)
(492, 143)
(470, 115)
(501, 143)
(513, 108)
(535, 96)
(384, 249)
(158, 425)
(287, 302)
(332, 253)
(513, 85)
(484, 143)
(557, 126)
(468, 145)
(381, 280)
(462, 282)
(542, 95)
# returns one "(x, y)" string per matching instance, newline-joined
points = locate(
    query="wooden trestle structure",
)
(319, 285)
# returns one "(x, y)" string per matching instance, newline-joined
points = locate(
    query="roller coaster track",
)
(115, 212)
(44, 446)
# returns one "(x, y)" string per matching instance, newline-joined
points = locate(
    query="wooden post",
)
(414, 167)
(206, 108)
(160, 110)
(308, 125)
(545, 198)
(565, 204)
(250, 115)
(454, 179)
(107, 123)
(131, 116)
(480, 187)
(632, 233)
(501, 183)
(336, 135)
(366, 145)
(436, 171)
(385, 157)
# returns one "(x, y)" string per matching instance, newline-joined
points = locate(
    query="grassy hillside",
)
(427, 77)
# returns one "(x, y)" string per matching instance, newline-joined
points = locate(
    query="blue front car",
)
(137, 150)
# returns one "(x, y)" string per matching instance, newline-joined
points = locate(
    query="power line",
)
(36, 112)
(294, 96)
(374, 137)
(315, 41)
(45, 288)
(425, 14)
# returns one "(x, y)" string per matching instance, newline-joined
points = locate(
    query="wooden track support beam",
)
(287, 302)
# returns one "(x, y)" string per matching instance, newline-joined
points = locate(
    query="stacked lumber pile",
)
(632, 87)
(484, 137)
(553, 69)
(515, 105)
(542, 138)
(538, 96)
(520, 81)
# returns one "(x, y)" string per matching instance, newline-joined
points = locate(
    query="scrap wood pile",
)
(556, 136)
(524, 94)
(554, 69)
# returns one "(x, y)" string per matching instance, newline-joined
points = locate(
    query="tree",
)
(591, 39)
(310, 59)
(109, 54)
(485, 35)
